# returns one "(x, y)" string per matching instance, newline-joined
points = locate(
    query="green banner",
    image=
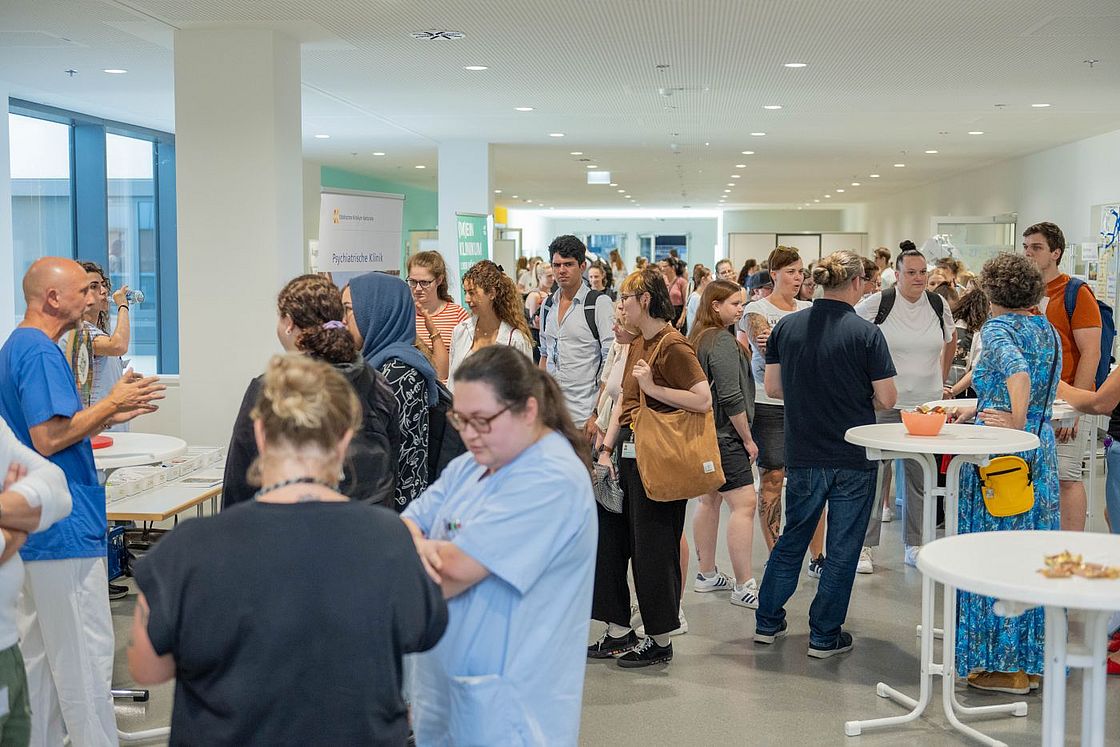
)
(472, 241)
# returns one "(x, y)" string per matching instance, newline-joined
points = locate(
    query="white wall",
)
(1060, 185)
(312, 188)
(9, 309)
(783, 221)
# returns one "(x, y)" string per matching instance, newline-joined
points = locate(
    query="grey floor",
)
(722, 689)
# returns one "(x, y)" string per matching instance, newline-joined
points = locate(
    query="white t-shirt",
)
(462, 340)
(916, 341)
(772, 314)
(888, 278)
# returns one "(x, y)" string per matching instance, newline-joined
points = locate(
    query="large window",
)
(103, 192)
(656, 247)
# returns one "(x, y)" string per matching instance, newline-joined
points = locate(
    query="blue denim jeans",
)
(849, 494)
(1112, 486)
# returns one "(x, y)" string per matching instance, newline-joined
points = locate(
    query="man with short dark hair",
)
(1080, 332)
(574, 345)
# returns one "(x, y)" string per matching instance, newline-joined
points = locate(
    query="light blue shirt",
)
(509, 669)
(574, 356)
(690, 310)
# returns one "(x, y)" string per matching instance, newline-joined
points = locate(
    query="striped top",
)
(446, 320)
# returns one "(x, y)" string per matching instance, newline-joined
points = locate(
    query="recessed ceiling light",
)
(379, 153)
(1039, 106)
(731, 184)
(515, 197)
(622, 191)
(758, 134)
(816, 200)
(556, 134)
(592, 166)
(772, 107)
(747, 153)
(900, 165)
(795, 64)
(855, 184)
(873, 176)
(800, 208)
(828, 197)
(497, 191)
(806, 204)
(576, 153)
(476, 68)
(529, 201)
(614, 184)
(839, 190)
(736, 176)
(740, 165)
(727, 191)
(930, 152)
(523, 108)
(627, 196)
(421, 166)
(975, 132)
(322, 137)
(114, 71)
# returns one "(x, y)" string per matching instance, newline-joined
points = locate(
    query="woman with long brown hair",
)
(496, 318)
(729, 376)
(437, 314)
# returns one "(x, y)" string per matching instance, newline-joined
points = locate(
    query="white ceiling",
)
(886, 80)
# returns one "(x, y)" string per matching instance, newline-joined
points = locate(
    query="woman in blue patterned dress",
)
(1015, 381)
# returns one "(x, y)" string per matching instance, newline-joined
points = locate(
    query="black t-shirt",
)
(287, 623)
(1114, 424)
(829, 357)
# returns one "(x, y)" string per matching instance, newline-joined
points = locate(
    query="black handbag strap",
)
(1049, 384)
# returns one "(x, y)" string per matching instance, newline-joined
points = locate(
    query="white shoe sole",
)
(817, 653)
(768, 639)
(739, 602)
(706, 589)
(865, 569)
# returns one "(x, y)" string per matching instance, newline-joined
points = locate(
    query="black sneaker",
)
(842, 645)
(645, 654)
(816, 567)
(606, 647)
(768, 638)
(116, 591)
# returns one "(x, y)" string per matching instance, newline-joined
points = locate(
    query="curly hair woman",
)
(496, 316)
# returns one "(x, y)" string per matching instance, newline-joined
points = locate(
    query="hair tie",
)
(334, 324)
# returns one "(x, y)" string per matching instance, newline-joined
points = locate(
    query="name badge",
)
(628, 450)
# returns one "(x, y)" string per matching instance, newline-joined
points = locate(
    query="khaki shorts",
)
(1072, 454)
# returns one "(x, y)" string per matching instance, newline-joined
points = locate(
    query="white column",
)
(8, 295)
(240, 212)
(464, 187)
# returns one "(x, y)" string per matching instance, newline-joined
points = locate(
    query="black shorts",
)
(736, 463)
(769, 431)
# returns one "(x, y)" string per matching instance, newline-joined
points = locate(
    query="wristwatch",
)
(603, 448)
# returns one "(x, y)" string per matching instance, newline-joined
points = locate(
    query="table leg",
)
(1095, 676)
(1054, 679)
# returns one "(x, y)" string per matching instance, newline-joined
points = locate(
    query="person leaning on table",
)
(1014, 389)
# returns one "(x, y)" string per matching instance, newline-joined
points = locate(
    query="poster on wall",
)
(472, 241)
(359, 232)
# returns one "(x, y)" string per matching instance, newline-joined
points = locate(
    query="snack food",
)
(1066, 565)
(936, 410)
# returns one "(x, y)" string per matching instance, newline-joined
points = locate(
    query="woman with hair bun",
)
(271, 636)
(311, 322)
(509, 529)
(496, 316)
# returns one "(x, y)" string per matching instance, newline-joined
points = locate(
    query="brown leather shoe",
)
(1035, 680)
(1013, 683)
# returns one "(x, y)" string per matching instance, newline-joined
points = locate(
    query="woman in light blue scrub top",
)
(509, 531)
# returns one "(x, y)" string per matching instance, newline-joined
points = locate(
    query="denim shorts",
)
(736, 463)
(769, 431)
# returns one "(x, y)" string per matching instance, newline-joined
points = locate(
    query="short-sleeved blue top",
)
(509, 669)
(829, 357)
(36, 384)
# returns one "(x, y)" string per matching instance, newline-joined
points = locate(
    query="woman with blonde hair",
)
(238, 597)
(497, 318)
(729, 375)
(437, 314)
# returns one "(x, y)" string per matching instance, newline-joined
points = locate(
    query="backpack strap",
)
(589, 302)
(545, 307)
(886, 303)
(1073, 287)
(938, 304)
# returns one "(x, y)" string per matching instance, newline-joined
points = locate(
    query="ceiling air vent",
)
(437, 35)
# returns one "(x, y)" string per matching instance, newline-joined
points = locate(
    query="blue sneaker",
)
(842, 645)
(768, 638)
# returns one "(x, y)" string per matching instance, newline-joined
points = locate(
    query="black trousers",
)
(647, 534)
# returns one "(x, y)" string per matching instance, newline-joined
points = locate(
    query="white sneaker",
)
(747, 596)
(910, 557)
(888, 515)
(718, 582)
(640, 628)
(865, 565)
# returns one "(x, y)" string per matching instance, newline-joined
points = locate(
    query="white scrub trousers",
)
(66, 636)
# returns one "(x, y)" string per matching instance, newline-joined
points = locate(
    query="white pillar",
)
(240, 212)
(464, 187)
(8, 296)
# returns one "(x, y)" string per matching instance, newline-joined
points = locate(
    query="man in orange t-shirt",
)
(1044, 244)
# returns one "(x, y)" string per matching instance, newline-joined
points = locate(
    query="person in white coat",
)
(496, 316)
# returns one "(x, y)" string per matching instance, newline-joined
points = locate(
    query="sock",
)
(617, 631)
(709, 574)
(661, 640)
(740, 586)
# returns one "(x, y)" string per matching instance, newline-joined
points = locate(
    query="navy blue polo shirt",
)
(829, 357)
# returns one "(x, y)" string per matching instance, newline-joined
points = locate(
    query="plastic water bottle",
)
(135, 296)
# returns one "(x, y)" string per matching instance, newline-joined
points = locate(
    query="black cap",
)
(761, 279)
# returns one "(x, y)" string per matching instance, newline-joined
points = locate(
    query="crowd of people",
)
(492, 477)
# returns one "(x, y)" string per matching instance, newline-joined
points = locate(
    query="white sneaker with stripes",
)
(718, 582)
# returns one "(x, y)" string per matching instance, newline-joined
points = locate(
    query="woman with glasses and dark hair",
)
(922, 339)
(509, 531)
(437, 315)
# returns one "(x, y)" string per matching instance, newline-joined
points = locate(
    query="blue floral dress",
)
(1011, 344)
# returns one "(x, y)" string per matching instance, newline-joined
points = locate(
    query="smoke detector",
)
(436, 35)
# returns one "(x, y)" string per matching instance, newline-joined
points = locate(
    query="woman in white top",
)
(922, 347)
(768, 426)
(701, 277)
(496, 316)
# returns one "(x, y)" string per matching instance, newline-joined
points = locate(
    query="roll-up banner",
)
(472, 241)
(359, 232)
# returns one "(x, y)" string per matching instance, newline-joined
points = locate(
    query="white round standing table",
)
(135, 449)
(974, 444)
(1005, 565)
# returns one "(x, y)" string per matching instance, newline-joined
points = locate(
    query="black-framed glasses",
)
(422, 284)
(480, 424)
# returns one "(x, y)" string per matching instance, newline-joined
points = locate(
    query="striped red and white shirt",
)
(446, 320)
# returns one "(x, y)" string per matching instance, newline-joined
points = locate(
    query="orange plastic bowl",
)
(923, 423)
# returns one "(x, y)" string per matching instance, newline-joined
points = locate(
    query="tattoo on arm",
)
(756, 325)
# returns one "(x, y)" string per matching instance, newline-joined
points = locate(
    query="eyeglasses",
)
(422, 284)
(624, 296)
(480, 424)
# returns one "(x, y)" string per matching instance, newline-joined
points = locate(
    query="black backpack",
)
(887, 303)
(444, 442)
(588, 310)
